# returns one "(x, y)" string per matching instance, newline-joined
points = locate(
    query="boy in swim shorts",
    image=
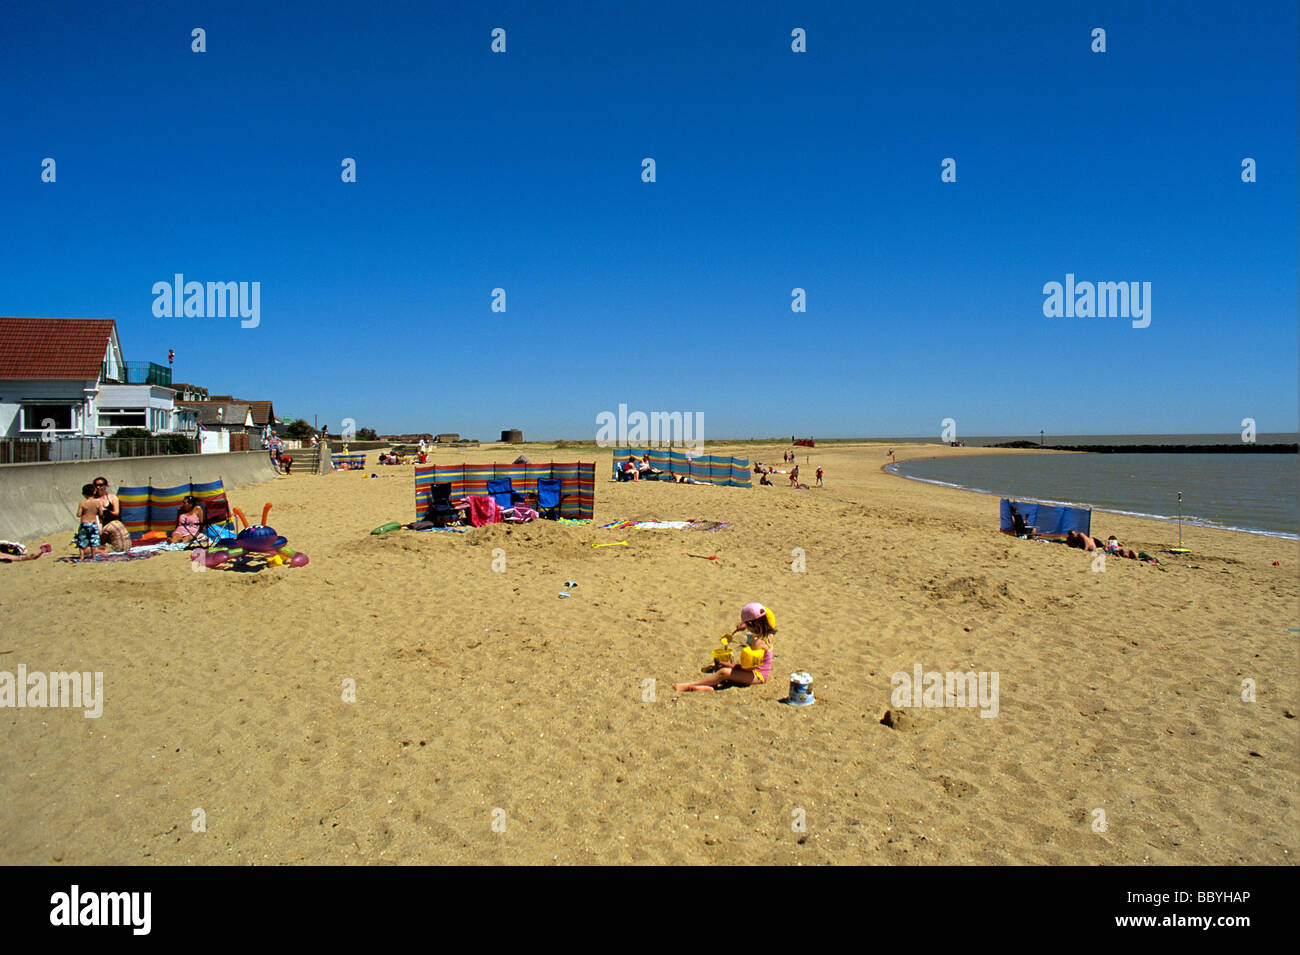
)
(88, 522)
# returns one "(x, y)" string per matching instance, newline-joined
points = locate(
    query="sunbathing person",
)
(189, 520)
(1112, 546)
(763, 479)
(1081, 541)
(12, 552)
(645, 467)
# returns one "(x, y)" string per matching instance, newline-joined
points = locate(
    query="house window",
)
(35, 417)
(121, 417)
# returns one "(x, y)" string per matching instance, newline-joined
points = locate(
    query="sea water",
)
(1250, 492)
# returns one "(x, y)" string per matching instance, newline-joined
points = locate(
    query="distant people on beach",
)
(1081, 541)
(1113, 546)
(763, 479)
(630, 470)
(819, 476)
(644, 468)
(794, 476)
(1018, 524)
(286, 461)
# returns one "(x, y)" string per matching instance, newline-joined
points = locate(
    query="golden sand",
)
(485, 702)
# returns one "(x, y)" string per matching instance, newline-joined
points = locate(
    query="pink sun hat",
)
(752, 611)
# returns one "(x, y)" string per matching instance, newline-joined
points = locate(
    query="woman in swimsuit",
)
(113, 534)
(189, 521)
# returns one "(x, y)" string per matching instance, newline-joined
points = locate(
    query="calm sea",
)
(1250, 492)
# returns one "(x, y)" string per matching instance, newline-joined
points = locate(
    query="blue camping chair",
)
(549, 498)
(504, 493)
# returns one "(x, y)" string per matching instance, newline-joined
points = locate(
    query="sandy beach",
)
(496, 722)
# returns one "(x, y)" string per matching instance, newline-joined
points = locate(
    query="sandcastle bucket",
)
(801, 691)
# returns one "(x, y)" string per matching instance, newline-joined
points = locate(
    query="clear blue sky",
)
(818, 170)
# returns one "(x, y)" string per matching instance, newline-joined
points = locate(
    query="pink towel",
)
(519, 514)
(483, 509)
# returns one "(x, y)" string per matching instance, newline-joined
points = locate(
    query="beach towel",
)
(483, 509)
(105, 558)
(519, 514)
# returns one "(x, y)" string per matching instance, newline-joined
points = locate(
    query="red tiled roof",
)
(261, 412)
(53, 347)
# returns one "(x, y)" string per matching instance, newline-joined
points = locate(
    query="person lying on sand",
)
(1112, 546)
(11, 553)
(1081, 541)
(757, 620)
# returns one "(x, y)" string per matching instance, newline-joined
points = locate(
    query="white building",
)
(65, 377)
(49, 374)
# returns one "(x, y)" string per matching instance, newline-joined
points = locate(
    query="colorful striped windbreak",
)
(149, 508)
(710, 468)
(577, 483)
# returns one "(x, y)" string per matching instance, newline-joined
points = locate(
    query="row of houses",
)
(66, 377)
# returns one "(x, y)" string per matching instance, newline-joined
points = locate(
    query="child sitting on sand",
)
(758, 621)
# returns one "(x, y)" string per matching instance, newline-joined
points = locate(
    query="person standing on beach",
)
(819, 476)
(88, 522)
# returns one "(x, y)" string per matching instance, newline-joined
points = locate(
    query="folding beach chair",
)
(504, 493)
(549, 498)
(218, 517)
(441, 511)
